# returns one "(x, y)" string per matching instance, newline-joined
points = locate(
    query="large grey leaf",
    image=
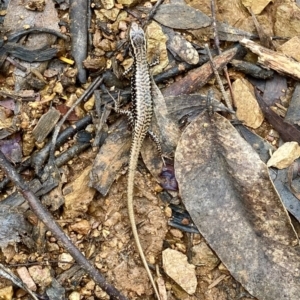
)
(181, 17)
(227, 190)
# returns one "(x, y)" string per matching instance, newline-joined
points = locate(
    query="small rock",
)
(99, 293)
(6, 293)
(176, 233)
(75, 203)
(26, 278)
(203, 255)
(74, 296)
(111, 14)
(128, 2)
(113, 219)
(82, 227)
(65, 261)
(284, 156)
(248, 109)
(176, 266)
(291, 48)
(52, 247)
(257, 6)
(40, 276)
(108, 4)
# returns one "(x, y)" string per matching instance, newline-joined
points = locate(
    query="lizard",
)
(140, 118)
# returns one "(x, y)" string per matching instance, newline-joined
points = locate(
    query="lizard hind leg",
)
(155, 139)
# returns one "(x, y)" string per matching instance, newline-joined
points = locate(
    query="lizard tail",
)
(134, 154)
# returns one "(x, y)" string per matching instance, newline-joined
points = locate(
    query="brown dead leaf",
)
(111, 158)
(197, 78)
(227, 190)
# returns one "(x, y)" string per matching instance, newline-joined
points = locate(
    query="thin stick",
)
(152, 12)
(227, 101)
(84, 96)
(43, 214)
(16, 64)
(217, 44)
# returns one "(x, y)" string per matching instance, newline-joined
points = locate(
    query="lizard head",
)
(137, 37)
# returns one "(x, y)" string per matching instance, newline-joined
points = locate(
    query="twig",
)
(152, 12)
(83, 97)
(16, 64)
(217, 44)
(227, 101)
(40, 211)
(38, 158)
(101, 120)
(214, 26)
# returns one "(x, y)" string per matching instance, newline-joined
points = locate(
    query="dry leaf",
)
(181, 16)
(227, 191)
(113, 154)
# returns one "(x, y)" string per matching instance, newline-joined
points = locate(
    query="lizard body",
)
(141, 118)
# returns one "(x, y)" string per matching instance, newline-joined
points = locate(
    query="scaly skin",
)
(142, 115)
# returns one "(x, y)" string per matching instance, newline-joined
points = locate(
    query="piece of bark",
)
(45, 124)
(290, 201)
(260, 145)
(197, 78)
(191, 105)
(251, 69)
(226, 32)
(265, 39)
(287, 131)
(113, 155)
(273, 60)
